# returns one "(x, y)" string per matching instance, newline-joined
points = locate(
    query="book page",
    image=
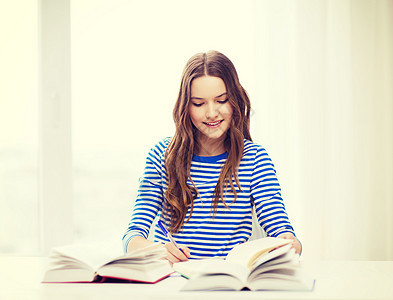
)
(290, 257)
(210, 267)
(279, 284)
(192, 267)
(284, 251)
(88, 254)
(214, 283)
(247, 253)
(96, 255)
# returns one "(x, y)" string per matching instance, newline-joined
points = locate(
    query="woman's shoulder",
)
(163, 143)
(252, 147)
(160, 147)
(256, 153)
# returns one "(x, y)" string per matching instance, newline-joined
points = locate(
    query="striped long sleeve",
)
(266, 192)
(204, 234)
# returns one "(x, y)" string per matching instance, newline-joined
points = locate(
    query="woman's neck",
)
(209, 147)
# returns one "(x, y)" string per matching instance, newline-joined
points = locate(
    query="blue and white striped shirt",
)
(204, 235)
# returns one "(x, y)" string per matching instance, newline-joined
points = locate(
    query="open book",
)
(263, 264)
(88, 263)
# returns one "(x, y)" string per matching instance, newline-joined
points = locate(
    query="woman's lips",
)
(213, 124)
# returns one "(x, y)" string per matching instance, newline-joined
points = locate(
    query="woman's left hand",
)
(295, 244)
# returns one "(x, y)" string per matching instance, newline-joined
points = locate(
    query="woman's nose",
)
(212, 111)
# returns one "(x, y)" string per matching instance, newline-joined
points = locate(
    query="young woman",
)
(204, 181)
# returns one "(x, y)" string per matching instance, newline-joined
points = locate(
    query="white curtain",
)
(323, 108)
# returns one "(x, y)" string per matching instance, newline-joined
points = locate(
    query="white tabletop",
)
(20, 278)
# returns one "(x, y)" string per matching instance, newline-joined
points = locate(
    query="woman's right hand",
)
(174, 255)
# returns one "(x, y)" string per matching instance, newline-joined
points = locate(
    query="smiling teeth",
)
(212, 124)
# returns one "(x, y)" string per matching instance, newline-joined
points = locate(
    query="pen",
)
(168, 235)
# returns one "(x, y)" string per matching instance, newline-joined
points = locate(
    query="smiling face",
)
(210, 111)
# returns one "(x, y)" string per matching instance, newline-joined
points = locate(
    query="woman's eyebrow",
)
(197, 98)
(221, 95)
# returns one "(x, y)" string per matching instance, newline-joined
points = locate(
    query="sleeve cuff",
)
(286, 230)
(127, 238)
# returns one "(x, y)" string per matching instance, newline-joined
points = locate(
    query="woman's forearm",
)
(138, 242)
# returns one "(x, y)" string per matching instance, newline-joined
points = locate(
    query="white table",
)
(20, 278)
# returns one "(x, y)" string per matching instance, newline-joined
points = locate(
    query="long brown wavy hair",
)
(180, 195)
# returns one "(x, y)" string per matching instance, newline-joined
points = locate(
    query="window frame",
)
(55, 148)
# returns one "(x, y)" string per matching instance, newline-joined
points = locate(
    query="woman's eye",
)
(223, 101)
(197, 104)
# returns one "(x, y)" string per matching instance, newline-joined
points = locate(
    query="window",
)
(19, 208)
